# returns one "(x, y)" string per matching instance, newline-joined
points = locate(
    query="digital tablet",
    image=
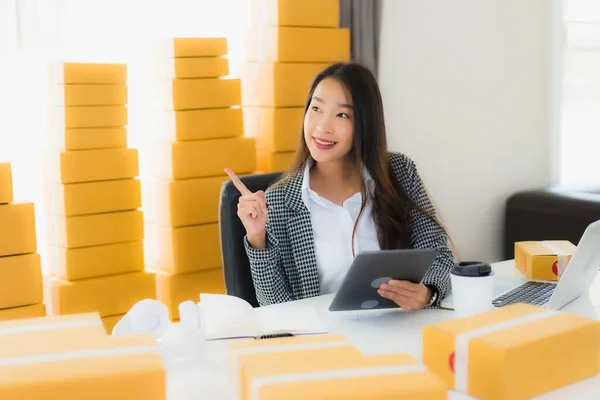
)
(358, 290)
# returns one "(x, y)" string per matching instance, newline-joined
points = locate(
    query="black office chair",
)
(236, 266)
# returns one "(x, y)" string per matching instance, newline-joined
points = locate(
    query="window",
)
(579, 92)
(35, 32)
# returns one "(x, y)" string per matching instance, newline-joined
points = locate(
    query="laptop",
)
(575, 280)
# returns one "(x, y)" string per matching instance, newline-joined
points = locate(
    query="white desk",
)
(201, 369)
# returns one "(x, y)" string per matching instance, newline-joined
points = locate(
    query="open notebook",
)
(226, 317)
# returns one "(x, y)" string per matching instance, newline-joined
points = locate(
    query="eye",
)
(315, 108)
(343, 115)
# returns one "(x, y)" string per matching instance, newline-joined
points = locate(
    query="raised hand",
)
(252, 211)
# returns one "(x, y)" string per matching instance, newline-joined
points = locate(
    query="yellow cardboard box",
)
(106, 295)
(95, 261)
(92, 165)
(204, 158)
(89, 116)
(307, 13)
(17, 229)
(278, 84)
(41, 330)
(545, 260)
(178, 203)
(248, 351)
(20, 280)
(6, 190)
(172, 289)
(265, 362)
(194, 67)
(79, 333)
(86, 73)
(210, 123)
(182, 250)
(88, 138)
(376, 379)
(267, 161)
(193, 47)
(89, 95)
(514, 352)
(23, 312)
(110, 322)
(93, 197)
(335, 370)
(298, 44)
(95, 229)
(274, 128)
(190, 94)
(111, 367)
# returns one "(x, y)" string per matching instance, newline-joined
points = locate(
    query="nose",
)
(325, 125)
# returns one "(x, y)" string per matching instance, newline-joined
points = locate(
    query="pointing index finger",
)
(237, 182)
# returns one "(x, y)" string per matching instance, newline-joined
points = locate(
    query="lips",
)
(323, 144)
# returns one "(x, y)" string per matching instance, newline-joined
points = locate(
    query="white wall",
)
(465, 86)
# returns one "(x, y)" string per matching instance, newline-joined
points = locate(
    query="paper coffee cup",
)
(472, 288)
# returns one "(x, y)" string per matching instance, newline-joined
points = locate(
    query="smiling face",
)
(328, 123)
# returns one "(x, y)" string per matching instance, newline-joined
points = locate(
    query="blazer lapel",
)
(302, 242)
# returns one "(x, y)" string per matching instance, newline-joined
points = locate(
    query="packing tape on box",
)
(263, 6)
(282, 347)
(75, 355)
(12, 330)
(258, 383)
(563, 258)
(261, 44)
(461, 345)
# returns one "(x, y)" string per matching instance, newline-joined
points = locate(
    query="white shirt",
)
(332, 229)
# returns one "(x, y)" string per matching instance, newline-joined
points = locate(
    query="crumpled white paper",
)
(147, 316)
(176, 342)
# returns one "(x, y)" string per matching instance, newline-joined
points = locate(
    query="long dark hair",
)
(390, 204)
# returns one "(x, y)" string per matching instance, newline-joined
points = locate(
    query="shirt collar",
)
(306, 181)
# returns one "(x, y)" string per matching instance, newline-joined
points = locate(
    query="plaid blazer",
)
(287, 268)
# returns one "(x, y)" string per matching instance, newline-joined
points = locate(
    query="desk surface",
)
(198, 369)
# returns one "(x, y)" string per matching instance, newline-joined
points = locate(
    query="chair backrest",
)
(236, 266)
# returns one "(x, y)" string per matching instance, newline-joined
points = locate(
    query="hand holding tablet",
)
(370, 270)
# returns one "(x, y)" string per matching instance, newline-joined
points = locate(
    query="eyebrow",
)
(343, 105)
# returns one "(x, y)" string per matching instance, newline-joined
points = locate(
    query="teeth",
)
(324, 143)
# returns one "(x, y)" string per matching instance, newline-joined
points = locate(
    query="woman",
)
(344, 194)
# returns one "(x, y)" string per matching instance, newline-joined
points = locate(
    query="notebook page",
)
(295, 320)
(224, 316)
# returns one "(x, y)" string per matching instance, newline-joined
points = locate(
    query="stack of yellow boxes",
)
(93, 196)
(288, 44)
(20, 267)
(201, 134)
(326, 366)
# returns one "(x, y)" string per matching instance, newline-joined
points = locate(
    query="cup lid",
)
(472, 268)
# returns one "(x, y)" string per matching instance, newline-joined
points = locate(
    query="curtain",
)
(363, 17)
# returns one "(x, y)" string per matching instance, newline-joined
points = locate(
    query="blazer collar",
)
(295, 185)
(293, 195)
